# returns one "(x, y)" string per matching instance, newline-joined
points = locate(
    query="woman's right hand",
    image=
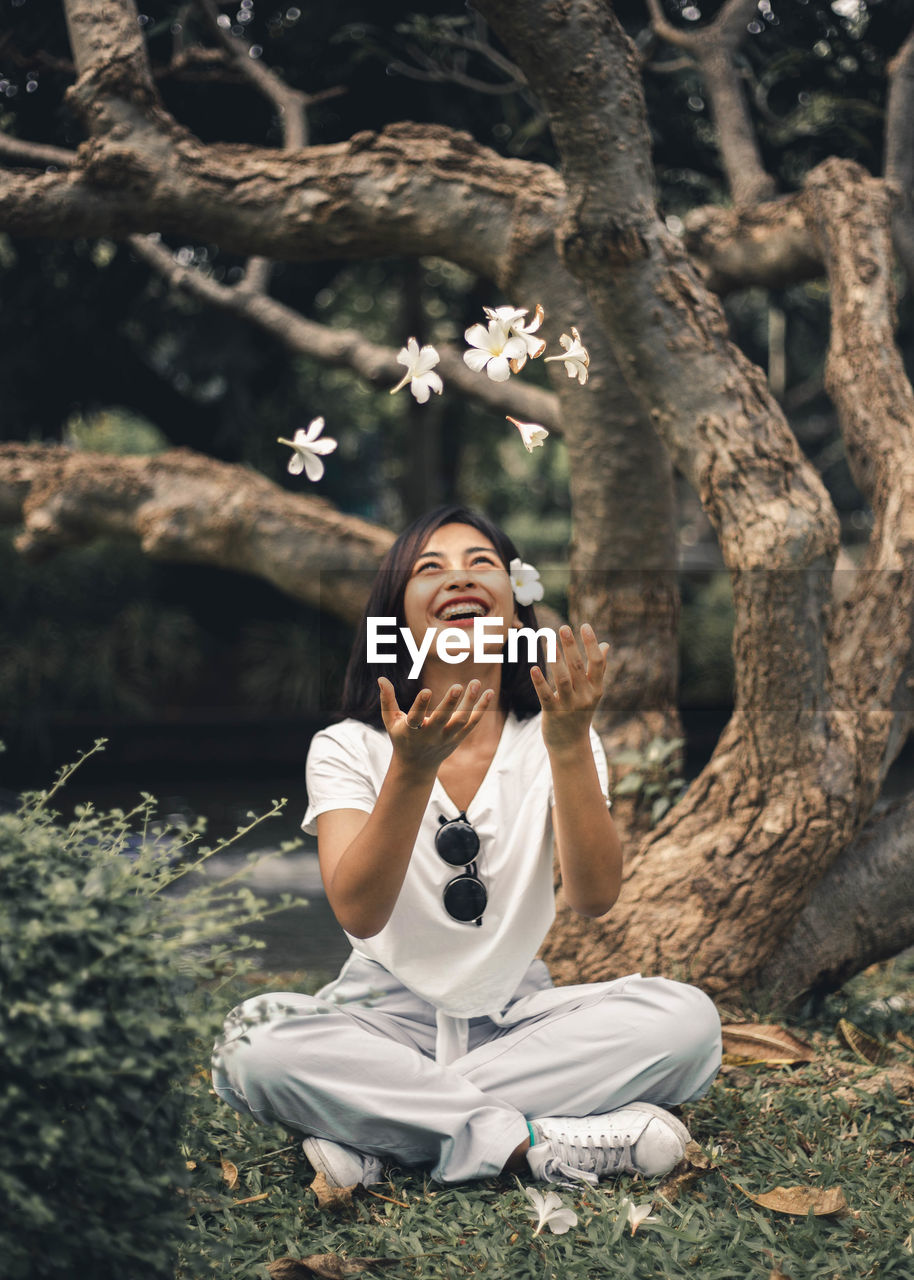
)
(425, 738)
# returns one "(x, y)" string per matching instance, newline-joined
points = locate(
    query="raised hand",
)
(422, 737)
(568, 707)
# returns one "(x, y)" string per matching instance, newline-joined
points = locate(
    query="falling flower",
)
(307, 449)
(525, 582)
(638, 1213)
(420, 363)
(512, 319)
(550, 1211)
(576, 357)
(495, 349)
(531, 433)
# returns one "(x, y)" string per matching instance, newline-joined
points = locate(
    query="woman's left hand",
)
(568, 707)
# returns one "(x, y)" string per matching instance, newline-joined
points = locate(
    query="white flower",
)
(525, 582)
(496, 348)
(549, 1210)
(512, 320)
(638, 1213)
(531, 433)
(576, 357)
(420, 363)
(306, 448)
(853, 10)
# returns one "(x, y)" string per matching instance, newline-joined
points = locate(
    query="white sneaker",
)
(342, 1166)
(639, 1138)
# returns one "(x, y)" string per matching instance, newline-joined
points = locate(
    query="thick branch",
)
(862, 910)
(770, 245)
(181, 506)
(899, 152)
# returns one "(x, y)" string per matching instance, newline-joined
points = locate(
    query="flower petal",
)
(498, 369)
(419, 388)
(428, 358)
(314, 468)
(296, 464)
(477, 360)
(478, 336)
(327, 445)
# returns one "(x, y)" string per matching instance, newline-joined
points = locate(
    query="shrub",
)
(100, 972)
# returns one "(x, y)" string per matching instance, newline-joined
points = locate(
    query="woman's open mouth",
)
(462, 611)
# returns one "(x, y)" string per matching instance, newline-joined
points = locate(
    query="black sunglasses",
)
(457, 844)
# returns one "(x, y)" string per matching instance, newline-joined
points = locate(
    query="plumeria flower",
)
(550, 1211)
(307, 448)
(531, 433)
(512, 319)
(494, 349)
(638, 1213)
(576, 357)
(525, 582)
(420, 363)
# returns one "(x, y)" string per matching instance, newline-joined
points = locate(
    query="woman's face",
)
(458, 576)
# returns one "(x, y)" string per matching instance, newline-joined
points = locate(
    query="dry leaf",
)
(865, 1047)
(694, 1164)
(900, 1078)
(332, 1198)
(820, 1201)
(327, 1266)
(764, 1042)
(190, 1164)
(904, 1040)
(230, 1174)
(778, 1274)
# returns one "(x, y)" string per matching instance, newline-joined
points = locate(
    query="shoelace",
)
(588, 1161)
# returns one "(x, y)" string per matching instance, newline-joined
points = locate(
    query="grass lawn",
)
(836, 1122)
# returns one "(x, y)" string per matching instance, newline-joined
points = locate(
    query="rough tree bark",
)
(824, 695)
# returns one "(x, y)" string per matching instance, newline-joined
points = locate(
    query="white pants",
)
(355, 1063)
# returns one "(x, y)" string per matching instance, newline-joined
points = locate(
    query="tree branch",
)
(346, 348)
(182, 506)
(862, 910)
(713, 48)
(899, 152)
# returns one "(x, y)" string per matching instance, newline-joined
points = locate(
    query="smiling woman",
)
(438, 808)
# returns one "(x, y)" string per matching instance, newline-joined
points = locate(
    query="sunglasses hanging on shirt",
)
(465, 896)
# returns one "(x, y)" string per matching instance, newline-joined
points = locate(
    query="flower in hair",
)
(525, 582)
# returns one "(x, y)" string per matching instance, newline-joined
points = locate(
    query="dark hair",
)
(360, 688)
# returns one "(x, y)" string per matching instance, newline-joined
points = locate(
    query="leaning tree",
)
(777, 869)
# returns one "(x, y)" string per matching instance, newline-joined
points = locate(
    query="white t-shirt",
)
(464, 970)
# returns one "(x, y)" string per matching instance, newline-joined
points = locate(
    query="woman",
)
(437, 806)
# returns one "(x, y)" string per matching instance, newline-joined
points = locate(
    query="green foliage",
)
(114, 431)
(654, 776)
(101, 963)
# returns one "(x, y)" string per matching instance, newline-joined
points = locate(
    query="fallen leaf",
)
(230, 1174)
(820, 1201)
(904, 1040)
(327, 1266)
(865, 1047)
(332, 1198)
(764, 1042)
(190, 1164)
(778, 1274)
(694, 1164)
(900, 1078)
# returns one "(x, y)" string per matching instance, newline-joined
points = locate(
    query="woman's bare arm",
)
(364, 857)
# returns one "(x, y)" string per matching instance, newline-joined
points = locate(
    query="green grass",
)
(769, 1126)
